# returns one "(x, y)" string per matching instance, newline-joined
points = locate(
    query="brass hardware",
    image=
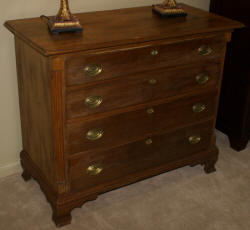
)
(202, 78)
(94, 170)
(194, 139)
(93, 70)
(199, 107)
(148, 141)
(154, 52)
(93, 101)
(150, 110)
(152, 81)
(94, 134)
(205, 50)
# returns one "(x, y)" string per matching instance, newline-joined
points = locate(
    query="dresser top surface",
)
(118, 27)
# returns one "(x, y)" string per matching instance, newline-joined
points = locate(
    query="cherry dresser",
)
(132, 97)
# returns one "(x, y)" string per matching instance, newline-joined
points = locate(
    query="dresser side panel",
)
(34, 85)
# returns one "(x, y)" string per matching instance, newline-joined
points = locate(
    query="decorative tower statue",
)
(169, 8)
(64, 20)
(170, 3)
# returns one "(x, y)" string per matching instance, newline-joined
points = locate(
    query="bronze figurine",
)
(64, 20)
(169, 8)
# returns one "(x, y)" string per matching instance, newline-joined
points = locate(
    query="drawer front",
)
(131, 126)
(95, 168)
(138, 89)
(93, 67)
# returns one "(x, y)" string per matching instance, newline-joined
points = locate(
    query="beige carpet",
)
(184, 199)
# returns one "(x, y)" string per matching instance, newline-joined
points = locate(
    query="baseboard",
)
(10, 169)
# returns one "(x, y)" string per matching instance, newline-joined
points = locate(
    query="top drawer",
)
(84, 68)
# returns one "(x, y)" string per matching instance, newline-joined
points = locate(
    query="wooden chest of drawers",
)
(125, 100)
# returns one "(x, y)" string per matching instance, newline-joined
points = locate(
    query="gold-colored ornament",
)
(94, 170)
(169, 8)
(64, 21)
(171, 3)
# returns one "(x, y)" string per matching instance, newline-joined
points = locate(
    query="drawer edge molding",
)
(145, 105)
(141, 138)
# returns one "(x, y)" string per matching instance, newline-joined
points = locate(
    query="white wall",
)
(10, 130)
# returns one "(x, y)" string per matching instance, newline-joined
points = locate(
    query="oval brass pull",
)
(94, 169)
(94, 134)
(202, 78)
(194, 139)
(154, 52)
(152, 81)
(92, 70)
(205, 50)
(148, 141)
(150, 110)
(93, 101)
(199, 107)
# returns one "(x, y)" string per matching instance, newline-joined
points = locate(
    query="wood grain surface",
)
(138, 156)
(35, 108)
(136, 88)
(118, 27)
(131, 126)
(118, 63)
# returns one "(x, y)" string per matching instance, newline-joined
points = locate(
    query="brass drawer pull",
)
(154, 52)
(205, 50)
(93, 101)
(202, 78)
(152, 81)
(92, 70)
(194, 139)
(94, 170)
(199, 107)
(94, 134)
(150, 111)
(148, 141)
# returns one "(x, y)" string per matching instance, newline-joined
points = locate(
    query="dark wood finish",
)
(34, 171)
(51, 78)
(118, 63)
(35, 107)
(139, 25)
(121, 92)
(239, 143)
(138, 156)
(26, 176)
(138, 124)
(209, 165)
(234, 110)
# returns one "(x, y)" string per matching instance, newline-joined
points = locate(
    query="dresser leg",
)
(209, 167)
(62, 212)
(209, 164)
(61, 218)
(25, 175)
(238, 144)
